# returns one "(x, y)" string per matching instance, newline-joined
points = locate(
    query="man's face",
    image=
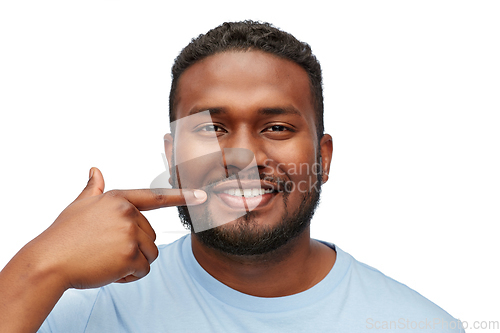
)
(260, 107)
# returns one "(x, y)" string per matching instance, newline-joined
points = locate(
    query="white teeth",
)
(247, 192)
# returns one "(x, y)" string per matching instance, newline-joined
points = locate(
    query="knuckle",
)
(130, 252)
(126, 208)
(156, 253)
(143, 270)
(146, 269)
(112, 193)
(129, 229)
(158, 198)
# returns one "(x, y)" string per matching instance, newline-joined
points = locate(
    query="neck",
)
(293, 268)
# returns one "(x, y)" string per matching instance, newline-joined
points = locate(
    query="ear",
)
(168, 142)
(326, 147)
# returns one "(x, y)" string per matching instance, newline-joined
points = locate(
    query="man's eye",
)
(277, 128)
(211, 128)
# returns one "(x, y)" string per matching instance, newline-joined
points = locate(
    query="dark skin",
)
(102, 237)
(239, 85)
(98, 239)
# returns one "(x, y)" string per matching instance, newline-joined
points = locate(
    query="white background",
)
(411, 99)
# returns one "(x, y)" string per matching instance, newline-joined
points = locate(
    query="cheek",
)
(195, 157)
(295, 159)
(196, 166)
(189, 147)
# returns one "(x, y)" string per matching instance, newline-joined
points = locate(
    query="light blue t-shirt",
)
(178, 295)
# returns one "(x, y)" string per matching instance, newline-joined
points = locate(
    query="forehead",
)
(244, 80)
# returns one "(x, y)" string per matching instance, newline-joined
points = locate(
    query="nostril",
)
(240, 158)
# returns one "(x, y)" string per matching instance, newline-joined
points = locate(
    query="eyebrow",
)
(289, 110)
(212, 111)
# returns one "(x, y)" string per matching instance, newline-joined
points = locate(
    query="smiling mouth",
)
(247, 192)
(245, 195)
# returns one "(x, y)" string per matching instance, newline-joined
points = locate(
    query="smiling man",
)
(248, 157)
(259, 103)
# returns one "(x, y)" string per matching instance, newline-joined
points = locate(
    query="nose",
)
(239, 158)
(243, 151)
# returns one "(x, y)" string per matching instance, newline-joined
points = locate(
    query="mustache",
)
(278, 183)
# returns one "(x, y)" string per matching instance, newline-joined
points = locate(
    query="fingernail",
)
(91, 173)
(200, 195)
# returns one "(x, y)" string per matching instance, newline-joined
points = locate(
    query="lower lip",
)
(248, 204)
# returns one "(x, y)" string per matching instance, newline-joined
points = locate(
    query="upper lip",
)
(245, 184)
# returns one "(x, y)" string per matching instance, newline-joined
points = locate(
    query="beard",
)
(244, 237)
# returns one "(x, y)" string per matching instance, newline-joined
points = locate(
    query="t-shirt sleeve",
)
(71, 313)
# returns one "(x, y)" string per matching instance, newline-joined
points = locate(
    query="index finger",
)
(148, 199)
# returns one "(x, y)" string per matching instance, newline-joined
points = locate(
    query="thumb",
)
(95, 185)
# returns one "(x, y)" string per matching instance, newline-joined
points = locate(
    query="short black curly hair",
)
(251, 35)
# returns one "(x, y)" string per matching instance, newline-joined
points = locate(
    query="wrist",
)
(40, 268)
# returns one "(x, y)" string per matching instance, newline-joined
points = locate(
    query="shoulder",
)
(384, 301)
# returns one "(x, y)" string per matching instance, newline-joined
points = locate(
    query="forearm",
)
(29, 289)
